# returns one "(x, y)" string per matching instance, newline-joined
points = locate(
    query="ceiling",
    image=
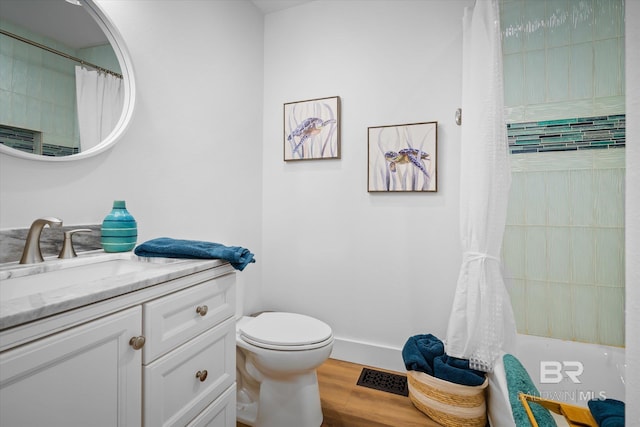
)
(78, 28)
(268, 6)
(44, 17)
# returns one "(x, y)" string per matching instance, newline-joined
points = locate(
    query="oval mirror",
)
(66, 82)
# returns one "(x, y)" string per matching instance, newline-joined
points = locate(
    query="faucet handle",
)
(67, 246)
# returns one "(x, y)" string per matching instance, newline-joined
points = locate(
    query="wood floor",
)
(345, 404)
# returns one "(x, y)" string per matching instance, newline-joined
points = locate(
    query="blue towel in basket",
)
(425, 353)
(456, 371)
(420, 350)
(167, 247)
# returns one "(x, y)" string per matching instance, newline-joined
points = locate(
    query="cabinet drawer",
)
(221, 413)
(173, 394)
(174, 319)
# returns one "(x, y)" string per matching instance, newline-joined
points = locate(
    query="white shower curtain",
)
(481, 324)
(100, 98)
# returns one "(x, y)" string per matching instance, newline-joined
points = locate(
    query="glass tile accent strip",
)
(580, 133)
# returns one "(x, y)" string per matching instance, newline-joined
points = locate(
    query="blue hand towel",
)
(419, 351)
(607, 412)
(456, 371)
(166, 247)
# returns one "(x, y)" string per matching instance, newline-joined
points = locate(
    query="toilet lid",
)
(277, 330)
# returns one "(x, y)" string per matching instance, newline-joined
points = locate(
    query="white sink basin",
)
(22, 283)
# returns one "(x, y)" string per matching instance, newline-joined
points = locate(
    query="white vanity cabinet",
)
(82, 368)
(87, 375)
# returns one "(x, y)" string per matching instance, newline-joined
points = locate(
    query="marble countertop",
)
(16, 309)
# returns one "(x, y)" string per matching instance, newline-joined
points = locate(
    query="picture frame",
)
(312, 129)
(403, 158)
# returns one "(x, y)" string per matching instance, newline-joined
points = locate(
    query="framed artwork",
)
(403, 158)
(312, 129)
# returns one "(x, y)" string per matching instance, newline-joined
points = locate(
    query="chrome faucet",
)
(32, 253)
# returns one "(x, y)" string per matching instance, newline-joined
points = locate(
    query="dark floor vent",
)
(384, 381)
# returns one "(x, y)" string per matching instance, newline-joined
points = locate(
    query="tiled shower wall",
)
(564, 240)
(564, 245)
(562, 56)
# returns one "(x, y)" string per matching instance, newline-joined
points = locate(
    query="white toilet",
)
(277, 356)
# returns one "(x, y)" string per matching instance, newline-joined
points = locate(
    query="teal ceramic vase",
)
(119, 229)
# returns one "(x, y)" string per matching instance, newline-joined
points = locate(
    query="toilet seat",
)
(285, 331)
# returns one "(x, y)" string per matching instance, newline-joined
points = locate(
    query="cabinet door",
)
(86, 376)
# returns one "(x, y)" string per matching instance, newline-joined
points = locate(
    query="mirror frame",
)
(122, 53)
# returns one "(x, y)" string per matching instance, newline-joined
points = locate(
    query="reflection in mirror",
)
(61, 85)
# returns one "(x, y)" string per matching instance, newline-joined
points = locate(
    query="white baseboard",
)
(363, 353)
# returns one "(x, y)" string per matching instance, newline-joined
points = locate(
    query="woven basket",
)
(450, 404)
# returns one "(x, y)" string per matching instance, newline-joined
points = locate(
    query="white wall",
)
(377, 267)
(632, 52)
(189, 165)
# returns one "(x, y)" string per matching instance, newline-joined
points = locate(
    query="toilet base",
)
(246, 411)
(292, 401)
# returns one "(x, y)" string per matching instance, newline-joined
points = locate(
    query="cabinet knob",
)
(201, 375)
(202, 310)
(137, 342)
